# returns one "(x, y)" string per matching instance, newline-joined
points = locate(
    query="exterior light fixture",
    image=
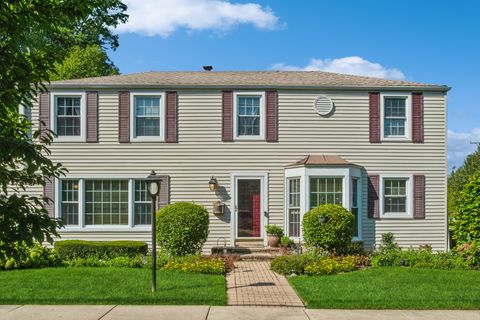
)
(153, 188)
(213, 184)
(323, 219)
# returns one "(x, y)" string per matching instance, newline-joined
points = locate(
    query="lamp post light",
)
(153, 187)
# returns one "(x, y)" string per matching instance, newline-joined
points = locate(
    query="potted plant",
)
(274, 233)
(285, 244)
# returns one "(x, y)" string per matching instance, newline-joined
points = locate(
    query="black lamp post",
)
(153, 187)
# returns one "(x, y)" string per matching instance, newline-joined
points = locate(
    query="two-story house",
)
(253, 148)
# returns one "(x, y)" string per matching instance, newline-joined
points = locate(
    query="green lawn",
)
(108, 286)
(392, 288)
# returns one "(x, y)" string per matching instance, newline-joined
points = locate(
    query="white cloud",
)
(163, 17)
(350, 65)
(459, 146)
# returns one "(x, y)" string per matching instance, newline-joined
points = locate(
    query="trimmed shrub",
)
(182, 228)
(289, 264)
(196, 264)
(117, 262)
(31, 257)
(418, 258)
(331, 266)
(106, 250)
(333, 235)
(470, 252)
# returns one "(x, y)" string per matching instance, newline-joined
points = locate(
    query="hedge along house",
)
(253, 148)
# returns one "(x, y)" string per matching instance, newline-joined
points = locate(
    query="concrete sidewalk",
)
(92, 312)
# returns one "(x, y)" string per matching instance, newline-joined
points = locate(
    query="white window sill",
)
(249, 138)
(396, 139)
(69, 139)
(396, 216)
(147, 139)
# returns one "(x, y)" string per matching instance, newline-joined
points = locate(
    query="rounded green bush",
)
(182, 228)
(334, 234)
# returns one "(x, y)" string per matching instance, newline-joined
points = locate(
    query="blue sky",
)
(431, 41)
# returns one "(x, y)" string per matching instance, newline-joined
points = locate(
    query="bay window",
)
(69, 202)
(294, 207)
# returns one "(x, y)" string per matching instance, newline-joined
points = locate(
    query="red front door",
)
(249, 204)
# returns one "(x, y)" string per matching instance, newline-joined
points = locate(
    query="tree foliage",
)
(459, 178)
(34, 35)
(84, 62)
(466, 225)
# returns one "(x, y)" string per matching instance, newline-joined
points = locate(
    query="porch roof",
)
(321, 160)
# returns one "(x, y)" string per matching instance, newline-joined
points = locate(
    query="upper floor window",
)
(396, 197)
(68, 116)
(249, 116)
(148, 119)
(27, 113)
(395, 116)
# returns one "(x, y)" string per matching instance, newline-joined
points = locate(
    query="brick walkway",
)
(252, 283)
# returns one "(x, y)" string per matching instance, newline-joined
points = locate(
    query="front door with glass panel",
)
(249, 207)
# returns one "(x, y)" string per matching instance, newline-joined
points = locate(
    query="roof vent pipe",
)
(207, 68)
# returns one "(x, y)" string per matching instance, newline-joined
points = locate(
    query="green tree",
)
(459, 178)
(34, 35)
(84, 62)
(466, 224)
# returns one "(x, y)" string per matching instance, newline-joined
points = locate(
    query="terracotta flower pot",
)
(273, 240)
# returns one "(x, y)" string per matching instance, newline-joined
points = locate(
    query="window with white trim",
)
(325, 190)
(106, 202)
(293, 207)
(68, 114)
(396, 196)
(395, 116)
(69, 202)
(147, 115)
(142, 207)
(249, 115)
(354, 205)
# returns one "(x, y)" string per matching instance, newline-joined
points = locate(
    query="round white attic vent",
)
(323, 105)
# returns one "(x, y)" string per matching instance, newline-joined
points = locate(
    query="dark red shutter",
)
(92, 116)
(164, 195)
(227, 116)
(49, 193)
(419, 197)
(373, 196)
(124, 116)
(272, 116)
(374, 114)
(417, 117)
(171, 115)
(44, 109)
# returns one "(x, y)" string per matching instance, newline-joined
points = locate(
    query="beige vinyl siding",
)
(200, 153)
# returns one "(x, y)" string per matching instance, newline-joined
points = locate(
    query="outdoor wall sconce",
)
(218, 208)
(213, 184)
(323, 219)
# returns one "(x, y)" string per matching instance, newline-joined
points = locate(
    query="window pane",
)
(69, 202)
(109, 204)
(325, 190)
(394, 127)
(395, 107)
(143, 204)
(395, 196)
(394, 117)
(294, 207)
(248, 116)
(147, 116)
(68, 116)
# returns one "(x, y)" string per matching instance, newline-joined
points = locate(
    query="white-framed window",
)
(142, 207)
(103, 203)
(147, 122)
(293, 207)
(396, 116)
(326, 190)
(68, 115)
(355, 205)
(69, 201)
(27, 113)
(249, 115)
(396, 199)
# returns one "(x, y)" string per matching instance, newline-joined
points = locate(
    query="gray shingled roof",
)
(277, 79)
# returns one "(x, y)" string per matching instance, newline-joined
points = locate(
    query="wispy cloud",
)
(163, 17)
(350, 65)
(459, 146)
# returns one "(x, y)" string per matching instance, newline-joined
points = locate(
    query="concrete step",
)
(258, 256)
(244, 250)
